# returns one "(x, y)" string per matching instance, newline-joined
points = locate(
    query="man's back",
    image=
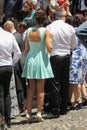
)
(8, 45)
(63, 40)
(63, 37)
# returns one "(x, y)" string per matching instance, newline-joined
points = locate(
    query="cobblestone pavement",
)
(73, 120)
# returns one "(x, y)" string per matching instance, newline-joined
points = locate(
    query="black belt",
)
(6, 66)
(57, 56)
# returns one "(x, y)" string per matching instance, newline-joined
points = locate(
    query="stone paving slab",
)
(73, 120)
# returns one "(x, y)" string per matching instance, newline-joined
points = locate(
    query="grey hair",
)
(58, 14)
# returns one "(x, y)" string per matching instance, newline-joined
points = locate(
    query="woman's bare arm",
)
(48, 39)
(26, 43)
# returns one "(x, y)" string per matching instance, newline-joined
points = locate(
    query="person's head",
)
(78, 19)
(14, 20)
(34, 3)
(50, 10)
(28, 6)
(40, 16)
(63, 4)
(86, 15)
(22, 26)
(69, 20)
(59, 14)
(9, 26)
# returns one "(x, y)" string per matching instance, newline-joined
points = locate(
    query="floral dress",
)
(78, 67)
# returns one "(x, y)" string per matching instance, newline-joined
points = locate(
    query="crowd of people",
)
(43, 53)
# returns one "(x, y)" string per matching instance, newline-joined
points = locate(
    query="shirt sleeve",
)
(16, 51)
(73, 40)
(81, 33)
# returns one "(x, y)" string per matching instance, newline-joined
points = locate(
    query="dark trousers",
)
(5, 99)
(20, 82)
(60, 66)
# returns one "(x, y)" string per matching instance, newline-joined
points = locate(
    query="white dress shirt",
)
(8, 45)
(64, 38)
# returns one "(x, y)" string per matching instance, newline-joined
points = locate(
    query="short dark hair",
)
(29, 3)
(40, 16)
(23, 24)
(78, 19)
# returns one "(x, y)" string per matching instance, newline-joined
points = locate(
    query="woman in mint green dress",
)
(37, 68)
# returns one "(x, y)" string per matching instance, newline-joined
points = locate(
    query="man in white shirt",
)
(8, 46)
(64, 40)
(19, 81)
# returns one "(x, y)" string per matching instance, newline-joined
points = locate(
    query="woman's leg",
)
(76, 90)
(70, 92)
(40, 95)
(84, 95)
(83, 91)
(30, 95)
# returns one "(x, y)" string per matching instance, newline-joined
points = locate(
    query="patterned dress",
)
(13, 94)
(78, 68)
(37, 64)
